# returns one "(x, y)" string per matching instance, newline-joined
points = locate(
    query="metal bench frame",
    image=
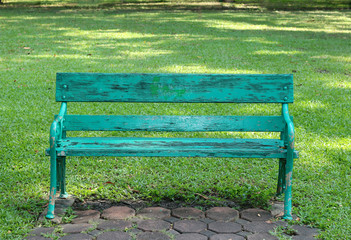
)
(173, 88)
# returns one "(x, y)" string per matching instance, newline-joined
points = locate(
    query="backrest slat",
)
(192, 88)
(174, 123)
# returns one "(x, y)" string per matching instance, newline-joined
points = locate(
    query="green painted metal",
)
(289, 142)
(174, 123)
(281, 175)
(61, 179)
(173, 88)
(104, 87)
(56, 132)
(172, 147)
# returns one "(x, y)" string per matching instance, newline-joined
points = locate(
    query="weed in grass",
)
(69, 215)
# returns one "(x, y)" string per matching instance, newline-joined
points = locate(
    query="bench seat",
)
(171, 147)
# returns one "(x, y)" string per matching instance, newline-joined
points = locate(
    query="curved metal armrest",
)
(290, 127)
(56, 128)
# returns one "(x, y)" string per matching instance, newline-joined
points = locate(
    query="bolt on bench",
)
(172, 88)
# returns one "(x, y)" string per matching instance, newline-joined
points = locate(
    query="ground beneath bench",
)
(103, 221)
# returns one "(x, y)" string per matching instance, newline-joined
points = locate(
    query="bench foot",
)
(64, 195)
(51, 208)
(288, 217)
(50, 216)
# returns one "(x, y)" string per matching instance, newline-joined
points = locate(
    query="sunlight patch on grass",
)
(270, 52)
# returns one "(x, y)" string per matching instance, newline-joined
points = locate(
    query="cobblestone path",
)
(184, 223)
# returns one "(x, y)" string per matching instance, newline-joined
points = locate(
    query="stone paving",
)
(182, 223)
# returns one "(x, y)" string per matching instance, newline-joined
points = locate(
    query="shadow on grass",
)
(43, 41)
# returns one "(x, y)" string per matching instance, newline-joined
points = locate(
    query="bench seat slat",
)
(172, 147)
(191, 88)
(174, 123)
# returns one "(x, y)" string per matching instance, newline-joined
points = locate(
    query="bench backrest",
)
(193, 88)
(190, 88)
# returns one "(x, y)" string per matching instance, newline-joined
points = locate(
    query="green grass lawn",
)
(314, 46)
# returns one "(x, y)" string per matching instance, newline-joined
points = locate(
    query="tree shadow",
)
(45, 41)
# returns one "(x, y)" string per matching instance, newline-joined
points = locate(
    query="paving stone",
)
(75, 228)
(114, 236)
(305, 231)
(277, 209)
(152, 236)
(65, 202)
(259, 227)
(77, 236)
(86, 216)
(171, 219)
(207, 233)
(226, 237)
(261, 236)
(225, 227)
(300, 237)
(243, 233)
(118, 213)
(154, 213)
(206, 220)
(100, 220)
(154, 225)
(189, 226)
(188, 213)
(242, 221)
(135, 230)
(254, 214)
(94, 233)
(222, 214)
(40, 230)
(115, 224)
(36, 238)
(173, 232)
(281, 223)
(190, 236)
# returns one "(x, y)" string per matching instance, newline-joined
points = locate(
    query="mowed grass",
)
(314, 46)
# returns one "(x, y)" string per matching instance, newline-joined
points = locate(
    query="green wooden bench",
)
(172, 88)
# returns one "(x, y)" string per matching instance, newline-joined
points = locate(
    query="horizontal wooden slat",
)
(174, 123)
(99, 87)
(172, 147)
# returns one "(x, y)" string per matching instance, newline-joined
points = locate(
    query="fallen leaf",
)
(201, 195)
(132, 190)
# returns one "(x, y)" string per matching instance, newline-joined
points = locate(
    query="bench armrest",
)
(56, 129)
(290, 127)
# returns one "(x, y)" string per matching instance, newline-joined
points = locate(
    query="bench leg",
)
(53, 186)
(281, 177)
(62, 177)
(58, 173)
(288, 184)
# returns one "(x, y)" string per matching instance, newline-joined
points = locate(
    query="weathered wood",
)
(173, 88)
(174, 123)
(226, 88)
(172, 147)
